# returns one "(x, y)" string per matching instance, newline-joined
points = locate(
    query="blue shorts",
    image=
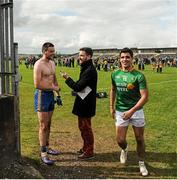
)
(43, 101)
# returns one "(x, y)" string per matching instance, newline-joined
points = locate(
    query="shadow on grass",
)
(106, 165)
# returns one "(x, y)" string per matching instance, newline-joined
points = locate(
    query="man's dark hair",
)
(88, 50)
(46, 45)
(126, 50)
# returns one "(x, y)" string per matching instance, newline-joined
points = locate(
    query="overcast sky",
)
(71, 24)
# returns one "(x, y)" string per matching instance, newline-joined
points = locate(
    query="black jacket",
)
(88, 77)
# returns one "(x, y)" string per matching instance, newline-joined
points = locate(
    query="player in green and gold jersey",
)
(128, 94)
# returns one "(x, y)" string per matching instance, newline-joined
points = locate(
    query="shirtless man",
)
(46, 84)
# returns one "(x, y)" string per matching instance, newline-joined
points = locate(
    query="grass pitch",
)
(160, 131)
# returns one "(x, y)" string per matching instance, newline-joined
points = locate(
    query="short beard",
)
(50, 57)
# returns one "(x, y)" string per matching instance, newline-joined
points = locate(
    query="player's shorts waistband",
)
(44, 90)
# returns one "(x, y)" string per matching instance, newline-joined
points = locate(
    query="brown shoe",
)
(86, 156)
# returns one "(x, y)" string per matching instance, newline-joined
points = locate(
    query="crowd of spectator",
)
(110, 62)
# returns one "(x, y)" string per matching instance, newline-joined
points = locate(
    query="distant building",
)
(166, 50)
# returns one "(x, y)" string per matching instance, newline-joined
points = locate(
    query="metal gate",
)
(8, 50)
(9, 96)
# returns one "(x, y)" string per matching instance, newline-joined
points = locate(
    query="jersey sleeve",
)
(112, 79)
(142, 81)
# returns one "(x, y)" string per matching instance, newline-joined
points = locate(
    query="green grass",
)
(160, 132)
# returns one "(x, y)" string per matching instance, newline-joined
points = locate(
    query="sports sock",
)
(43, 149)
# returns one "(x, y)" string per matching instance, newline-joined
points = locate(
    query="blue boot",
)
(47, 161)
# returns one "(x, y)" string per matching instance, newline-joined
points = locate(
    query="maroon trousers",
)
(85, 128)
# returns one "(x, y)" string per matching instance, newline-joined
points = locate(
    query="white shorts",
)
(136, 120)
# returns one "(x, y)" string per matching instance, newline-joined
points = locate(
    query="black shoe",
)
(85, 156)
(81, 151)
(47, 161)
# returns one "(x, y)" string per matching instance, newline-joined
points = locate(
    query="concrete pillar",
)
(9, 134)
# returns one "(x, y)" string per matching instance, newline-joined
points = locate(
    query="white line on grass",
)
(163, 82)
